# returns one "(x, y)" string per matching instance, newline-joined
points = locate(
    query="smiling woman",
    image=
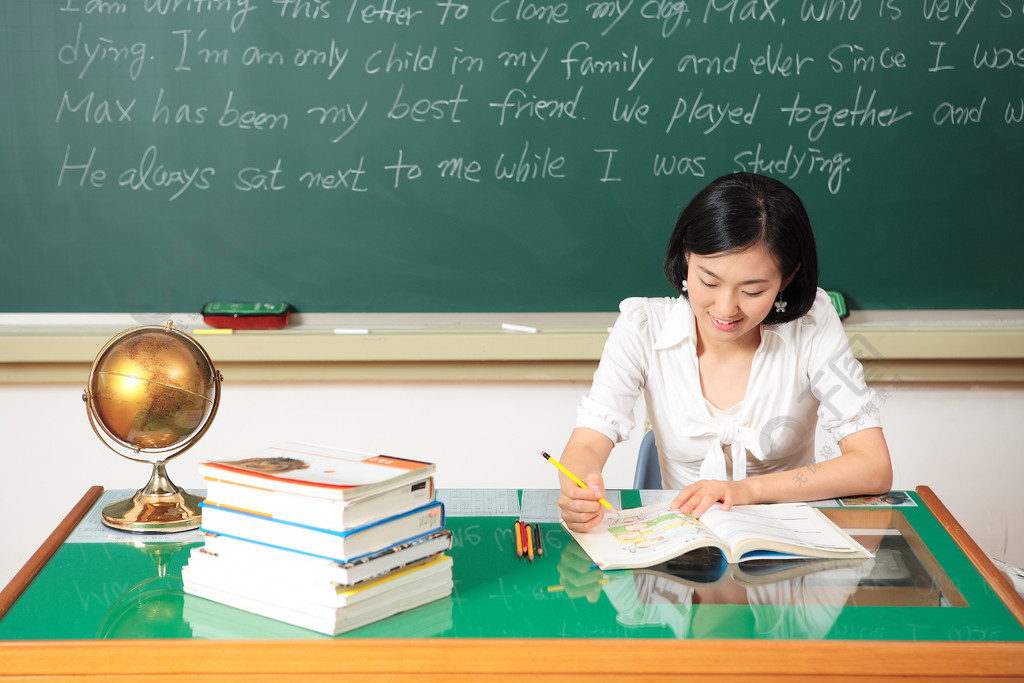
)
(749, 213)
(751, 343)
(736, 296)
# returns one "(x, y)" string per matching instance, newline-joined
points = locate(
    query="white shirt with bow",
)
(804, 373)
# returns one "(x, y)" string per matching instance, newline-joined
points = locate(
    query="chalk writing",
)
(948, 113)
(712, 114)
(861, 114)
(535, 12)
(94, 109)
(626, 62)
(521, 104)
(524, 59)
(236, 10)
(382, 12)
(529, 165)
(255, 178)
(854, 58)
(950, 10)
(348, 179)
(250, 119)
(518, 109)
(794, 162)
(627, 74)
(742, 10)
(150, 175)
(344, 116)
(90, 51)
(779, 63)
(625, 70)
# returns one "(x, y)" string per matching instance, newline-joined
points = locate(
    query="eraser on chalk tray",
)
(247, 315)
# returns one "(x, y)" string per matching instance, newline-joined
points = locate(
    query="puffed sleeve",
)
(847, 404)
(608, 406)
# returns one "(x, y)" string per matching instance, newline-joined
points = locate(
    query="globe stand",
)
(160, 506)
(152, 394)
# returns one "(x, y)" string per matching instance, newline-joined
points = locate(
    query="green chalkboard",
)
(496, 155)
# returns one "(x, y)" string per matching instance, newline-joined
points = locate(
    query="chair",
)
(648, 471)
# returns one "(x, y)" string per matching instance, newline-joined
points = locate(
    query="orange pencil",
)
(519, 541)
(529, 541)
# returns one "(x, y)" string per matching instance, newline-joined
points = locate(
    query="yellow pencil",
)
(529, 542)
(576, 480)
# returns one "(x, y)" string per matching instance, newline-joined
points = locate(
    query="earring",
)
(780, 305)
(684, 285)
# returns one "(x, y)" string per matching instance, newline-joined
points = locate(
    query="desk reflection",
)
(699, 595)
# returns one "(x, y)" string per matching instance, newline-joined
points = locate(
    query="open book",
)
(646, 536)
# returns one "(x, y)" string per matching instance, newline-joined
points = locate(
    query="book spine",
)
(343, 546)
(327, 513)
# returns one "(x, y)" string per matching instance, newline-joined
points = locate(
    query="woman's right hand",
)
(580, 508)
(584, 456)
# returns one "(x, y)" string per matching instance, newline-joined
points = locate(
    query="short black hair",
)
(743, 210)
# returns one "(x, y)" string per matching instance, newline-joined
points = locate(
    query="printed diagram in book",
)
(650, 529)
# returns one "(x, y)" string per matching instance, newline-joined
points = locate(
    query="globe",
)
(152, 394)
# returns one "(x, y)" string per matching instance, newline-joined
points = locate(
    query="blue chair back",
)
(648, 471)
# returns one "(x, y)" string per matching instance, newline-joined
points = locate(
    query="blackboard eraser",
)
(247, 315)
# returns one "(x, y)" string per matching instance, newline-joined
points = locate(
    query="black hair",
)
(744, 210)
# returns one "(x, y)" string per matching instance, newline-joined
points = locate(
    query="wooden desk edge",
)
(544, 659)
(974, 553)
(28, 572)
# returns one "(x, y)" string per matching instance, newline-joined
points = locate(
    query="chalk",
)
(213, 330)
(519, 328)
(351, 330)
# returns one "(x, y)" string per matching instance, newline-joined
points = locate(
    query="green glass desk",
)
(931, 606)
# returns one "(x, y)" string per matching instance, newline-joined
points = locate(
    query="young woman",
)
(737, 371)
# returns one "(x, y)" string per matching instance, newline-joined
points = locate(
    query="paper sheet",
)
(479, 502)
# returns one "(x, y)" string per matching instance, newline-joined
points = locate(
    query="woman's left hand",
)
(696, 498)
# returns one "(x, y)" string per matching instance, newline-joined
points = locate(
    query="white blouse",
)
(803, 373)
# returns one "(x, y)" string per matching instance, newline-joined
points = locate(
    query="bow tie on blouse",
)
(724, 433)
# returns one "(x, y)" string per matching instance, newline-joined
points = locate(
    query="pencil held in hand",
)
(576, 480)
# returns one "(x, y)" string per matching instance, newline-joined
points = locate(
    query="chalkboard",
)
(496, 155)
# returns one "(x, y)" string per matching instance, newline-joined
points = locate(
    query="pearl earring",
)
(684, 285)
(780, 305)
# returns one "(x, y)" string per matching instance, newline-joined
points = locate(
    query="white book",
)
(319, 471)
(646, 536)
(263, 560)
(296, 591)
(316, 510)
(330, 620)
(343, 546)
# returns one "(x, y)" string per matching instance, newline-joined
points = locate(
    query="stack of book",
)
(326, 539)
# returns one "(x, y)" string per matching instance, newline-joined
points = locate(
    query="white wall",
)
(964, 442)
